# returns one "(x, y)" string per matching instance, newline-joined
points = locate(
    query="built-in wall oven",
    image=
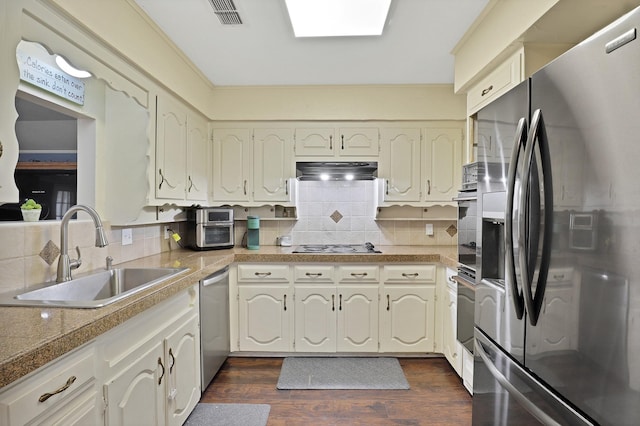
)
(467, 258)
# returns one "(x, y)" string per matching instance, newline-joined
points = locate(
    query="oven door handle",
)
(512, 279)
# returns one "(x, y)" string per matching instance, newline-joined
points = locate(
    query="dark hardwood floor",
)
(436, 396)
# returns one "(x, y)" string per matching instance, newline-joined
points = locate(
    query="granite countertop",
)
(31, 337)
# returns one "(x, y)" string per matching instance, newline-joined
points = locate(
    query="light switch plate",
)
(429, 229)
(127, 236)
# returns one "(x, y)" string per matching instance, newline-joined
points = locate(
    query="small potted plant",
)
(31, 210)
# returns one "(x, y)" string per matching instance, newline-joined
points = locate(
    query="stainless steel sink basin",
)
(93, 291)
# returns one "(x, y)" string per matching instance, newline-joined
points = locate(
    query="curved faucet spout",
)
(65, 265)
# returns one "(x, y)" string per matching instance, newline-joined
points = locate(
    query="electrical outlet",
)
(127, 236)
(429, 229)
(166, 232)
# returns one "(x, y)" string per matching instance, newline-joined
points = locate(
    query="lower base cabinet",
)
(152, 365)
(62, 393)
(407, 315)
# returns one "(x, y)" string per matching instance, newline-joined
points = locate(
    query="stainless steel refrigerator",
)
(557, 304)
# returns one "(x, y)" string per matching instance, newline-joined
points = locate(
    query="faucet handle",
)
(109, 261)
(75, 263)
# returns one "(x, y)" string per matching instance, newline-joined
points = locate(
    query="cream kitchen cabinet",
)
(332, 317)
(441, 163)
(450, 345)
(152, 364)
(331, 142)
(407, 308)
(273, 165)
(265, 308)
(63, 392)
(253, 165)
(505, 76)
(232, 174)
(181, 153)
(399, 164)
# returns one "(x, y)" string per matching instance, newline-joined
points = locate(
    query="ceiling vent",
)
(226, 12)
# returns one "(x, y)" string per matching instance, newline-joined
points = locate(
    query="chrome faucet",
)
(65, 264)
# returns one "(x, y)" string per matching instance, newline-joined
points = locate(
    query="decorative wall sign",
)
(39, 68)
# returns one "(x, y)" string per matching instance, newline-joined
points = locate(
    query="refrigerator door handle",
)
(513, 391)
(537, 138)
(519, 144)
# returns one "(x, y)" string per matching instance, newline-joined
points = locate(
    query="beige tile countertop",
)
(31, 337)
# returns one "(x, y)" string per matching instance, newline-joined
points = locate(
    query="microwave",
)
(209, 228)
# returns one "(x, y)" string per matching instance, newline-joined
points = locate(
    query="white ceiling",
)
(415, 47)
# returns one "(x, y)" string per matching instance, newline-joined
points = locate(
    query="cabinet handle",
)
(314, 274)
(61, 389)
(388, 303)
(487, 90)
(262, 274)
(342, 137)
(244, 187)
(161, 178)
(286, 187)
(387, 183)
(190, 184)
(558, 277)
(161, 375)
(414, 275)
(173, 360)
(428, 186)
(359, 275)
(340, 302)
(330, 141)
(333, 302)
(285, 302)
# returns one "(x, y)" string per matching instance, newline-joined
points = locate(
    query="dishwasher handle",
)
(216, 277)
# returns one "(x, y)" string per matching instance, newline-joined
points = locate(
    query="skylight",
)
(337, 18)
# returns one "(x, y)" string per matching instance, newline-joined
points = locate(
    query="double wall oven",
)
(468, 223)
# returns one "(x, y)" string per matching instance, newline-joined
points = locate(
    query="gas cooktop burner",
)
(336, 248)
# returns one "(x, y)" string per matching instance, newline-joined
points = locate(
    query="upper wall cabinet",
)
(232, 164)
(181, 146)
(442, 163)
(331, 142)
(253, 165)
(273, 165)
(400, 164)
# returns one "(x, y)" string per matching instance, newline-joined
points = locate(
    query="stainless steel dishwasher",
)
(214, 324)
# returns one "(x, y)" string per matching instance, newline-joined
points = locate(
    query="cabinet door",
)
(357, 319)
(441, 163)
(450, 343)
(272, 164)
(407, 318)
(231, 164)
(171, 148)
(315, 318)
(315, 142)
(197, 159)
(358, 142)
(400, 164)
(182, 355)
(141, 384)
(265, 318)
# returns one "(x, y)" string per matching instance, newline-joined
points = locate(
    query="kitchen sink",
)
(94, 290)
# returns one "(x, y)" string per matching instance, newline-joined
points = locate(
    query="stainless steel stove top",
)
(336, 248)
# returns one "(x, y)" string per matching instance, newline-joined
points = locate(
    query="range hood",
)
(338, 170)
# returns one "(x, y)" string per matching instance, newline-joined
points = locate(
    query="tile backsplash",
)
(30, 251)
(343, 212)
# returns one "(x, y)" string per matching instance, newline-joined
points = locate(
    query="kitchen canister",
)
(253, 232)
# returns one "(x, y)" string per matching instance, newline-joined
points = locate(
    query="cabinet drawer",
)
(358, 274)
(313, 273)
(20, 403)
(560, 274)
(409, 274)
(504, 77)
(263, 273)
